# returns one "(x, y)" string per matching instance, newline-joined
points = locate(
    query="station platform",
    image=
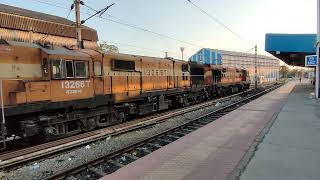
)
(223, 148)
(291, 149)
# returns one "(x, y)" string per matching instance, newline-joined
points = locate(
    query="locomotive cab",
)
(70, 79)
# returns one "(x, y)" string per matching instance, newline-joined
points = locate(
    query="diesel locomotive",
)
(52, 91)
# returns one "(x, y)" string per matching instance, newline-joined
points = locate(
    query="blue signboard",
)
(311, 60)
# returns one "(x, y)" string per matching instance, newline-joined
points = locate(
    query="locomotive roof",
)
(60, 50)
(151, 57)
(51, 50)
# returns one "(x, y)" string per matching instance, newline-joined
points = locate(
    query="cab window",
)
(62, 69)
(81, 69)
(69, 69)
(57, 69)
(97, 68)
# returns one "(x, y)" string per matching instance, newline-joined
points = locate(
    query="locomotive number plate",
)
(74, 87)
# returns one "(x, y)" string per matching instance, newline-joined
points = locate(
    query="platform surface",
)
(291, 149)
(213, 151)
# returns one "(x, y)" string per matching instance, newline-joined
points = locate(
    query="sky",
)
(178, 19)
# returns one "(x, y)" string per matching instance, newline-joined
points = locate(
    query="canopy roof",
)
(291, 48)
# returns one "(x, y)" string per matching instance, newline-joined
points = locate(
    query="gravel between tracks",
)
(45, 168)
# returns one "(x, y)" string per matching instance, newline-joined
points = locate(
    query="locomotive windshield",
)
(97, 67)
(69, 69)
(57, 69)
(81, 69)
(62, 69)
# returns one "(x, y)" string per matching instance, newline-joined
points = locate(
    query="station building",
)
(17, 24)
(267, 67)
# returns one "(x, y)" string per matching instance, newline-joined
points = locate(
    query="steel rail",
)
(11, 159)
(89, 167)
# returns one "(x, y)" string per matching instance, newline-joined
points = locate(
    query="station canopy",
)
(291, 48)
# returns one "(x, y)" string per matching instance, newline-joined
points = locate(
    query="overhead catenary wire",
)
(50, 4)
(250, 49)
(119, 21)
(219, 22)
(100, 12)
(125, 44)
(141, 47)
(125, 23)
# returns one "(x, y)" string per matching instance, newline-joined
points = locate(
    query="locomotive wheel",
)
(89, 124)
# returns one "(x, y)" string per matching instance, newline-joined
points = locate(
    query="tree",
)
(105, 47)
(284, 70)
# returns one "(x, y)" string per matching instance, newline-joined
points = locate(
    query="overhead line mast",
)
(79, 23)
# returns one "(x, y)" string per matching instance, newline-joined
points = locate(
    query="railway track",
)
(15, 158)
(107, 164)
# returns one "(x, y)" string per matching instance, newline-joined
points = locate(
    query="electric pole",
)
(78, 23)
(182, 49)
(255, 67)
(318, 48)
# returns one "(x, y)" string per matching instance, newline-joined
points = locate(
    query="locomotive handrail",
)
(3, 120)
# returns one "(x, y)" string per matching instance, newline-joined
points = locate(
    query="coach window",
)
(97, 68)
(81, 69)
(57, 68)
(69, 69)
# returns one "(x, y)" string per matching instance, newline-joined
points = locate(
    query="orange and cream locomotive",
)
(51, 92)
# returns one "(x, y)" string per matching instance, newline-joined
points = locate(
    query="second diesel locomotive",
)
(52, 92)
